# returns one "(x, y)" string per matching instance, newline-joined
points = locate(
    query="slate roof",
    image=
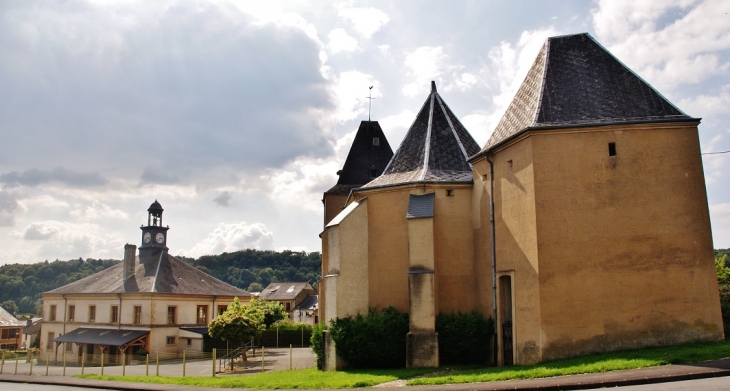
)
(284, 290)
(310, 303)
(435, 149)
(420, 205)
(163, 274)
(363, 158)
(101, 336)
(8, 320)
(575, 81)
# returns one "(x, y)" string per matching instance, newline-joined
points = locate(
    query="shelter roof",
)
(7, 319)
(284, 290)
(163, 274)
(574, 81)
(101, 336)
(369, 154)
(435, 148)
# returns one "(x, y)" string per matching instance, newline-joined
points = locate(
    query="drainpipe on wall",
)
(65, 310)
(494, 256)
(119, 312)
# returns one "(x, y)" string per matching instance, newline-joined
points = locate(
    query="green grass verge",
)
(312, 378)
(297, 379)
(596, 363)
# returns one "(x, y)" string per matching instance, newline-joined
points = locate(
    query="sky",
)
(236, 115)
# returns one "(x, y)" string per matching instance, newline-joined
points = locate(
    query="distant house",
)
(30, 331)
(298, 298)
(147, 302)
(10, 335)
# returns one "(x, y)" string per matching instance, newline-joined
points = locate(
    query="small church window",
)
(509, 166)
(449, 192)
(611, 149)
(376, 140)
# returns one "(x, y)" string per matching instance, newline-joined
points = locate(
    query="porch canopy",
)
(120, 338)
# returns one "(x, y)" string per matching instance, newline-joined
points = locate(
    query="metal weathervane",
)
(370, 101)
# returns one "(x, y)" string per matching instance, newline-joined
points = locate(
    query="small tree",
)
(238, 323)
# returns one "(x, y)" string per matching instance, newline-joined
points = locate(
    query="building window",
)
(190, 341)
(202, 314)
(52, 315)
(137, 314)
(288, 307)
(49, 344)
(449, 193)
(71, 313)
(376, 140)
(222, 309)
(170, 340)
(115, 314)
(92, 313)
(69, 347)
(611, 149)
(10, 333)
(171, 315)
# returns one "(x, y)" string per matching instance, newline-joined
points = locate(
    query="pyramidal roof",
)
(369, 154)
(575, 81)
(163, 274)
(435, 149)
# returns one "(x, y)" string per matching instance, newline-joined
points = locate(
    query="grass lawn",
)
(603, 362)
(312, 378)
(297, 379)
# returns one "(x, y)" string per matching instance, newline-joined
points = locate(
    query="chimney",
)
(130, 251)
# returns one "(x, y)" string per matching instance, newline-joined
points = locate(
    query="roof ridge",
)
(427, 143)
(453, 130)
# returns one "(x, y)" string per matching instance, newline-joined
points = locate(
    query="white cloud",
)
(367, 21)
(302, 183)
(707, 106)
(351, 92)
(395, 126)
(720, 216)
(477, 123)
(669, 43)
(233, 237)
(98, 211)
(340, 41)
(65, 240)
(425, 64)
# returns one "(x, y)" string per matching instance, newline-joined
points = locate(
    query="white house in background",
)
(145, 302)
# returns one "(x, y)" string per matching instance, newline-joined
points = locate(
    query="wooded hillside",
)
(21, 285)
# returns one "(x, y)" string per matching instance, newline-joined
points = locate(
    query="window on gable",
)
(376, 141)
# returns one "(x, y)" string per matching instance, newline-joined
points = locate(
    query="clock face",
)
(160, 237)
(147, 237)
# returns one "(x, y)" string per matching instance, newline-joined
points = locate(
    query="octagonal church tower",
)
(405, 239)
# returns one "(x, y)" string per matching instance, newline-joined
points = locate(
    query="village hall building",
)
(151, 301)
(581, 226)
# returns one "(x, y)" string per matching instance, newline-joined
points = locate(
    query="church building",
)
(151, 301)
(581, 226)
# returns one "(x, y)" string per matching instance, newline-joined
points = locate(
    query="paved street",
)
(276, 359)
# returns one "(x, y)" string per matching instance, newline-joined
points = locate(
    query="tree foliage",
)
(375, 340)
(464, 338)
(238, 323)
(722, 266)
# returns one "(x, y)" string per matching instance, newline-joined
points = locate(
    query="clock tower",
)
(154, 235)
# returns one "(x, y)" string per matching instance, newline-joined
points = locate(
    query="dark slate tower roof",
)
(434, 150)
(368, 156)
(575, 81)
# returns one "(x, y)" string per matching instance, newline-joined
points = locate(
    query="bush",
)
(377, 340)
(317, 341)
(464, 338)
(288, 324)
